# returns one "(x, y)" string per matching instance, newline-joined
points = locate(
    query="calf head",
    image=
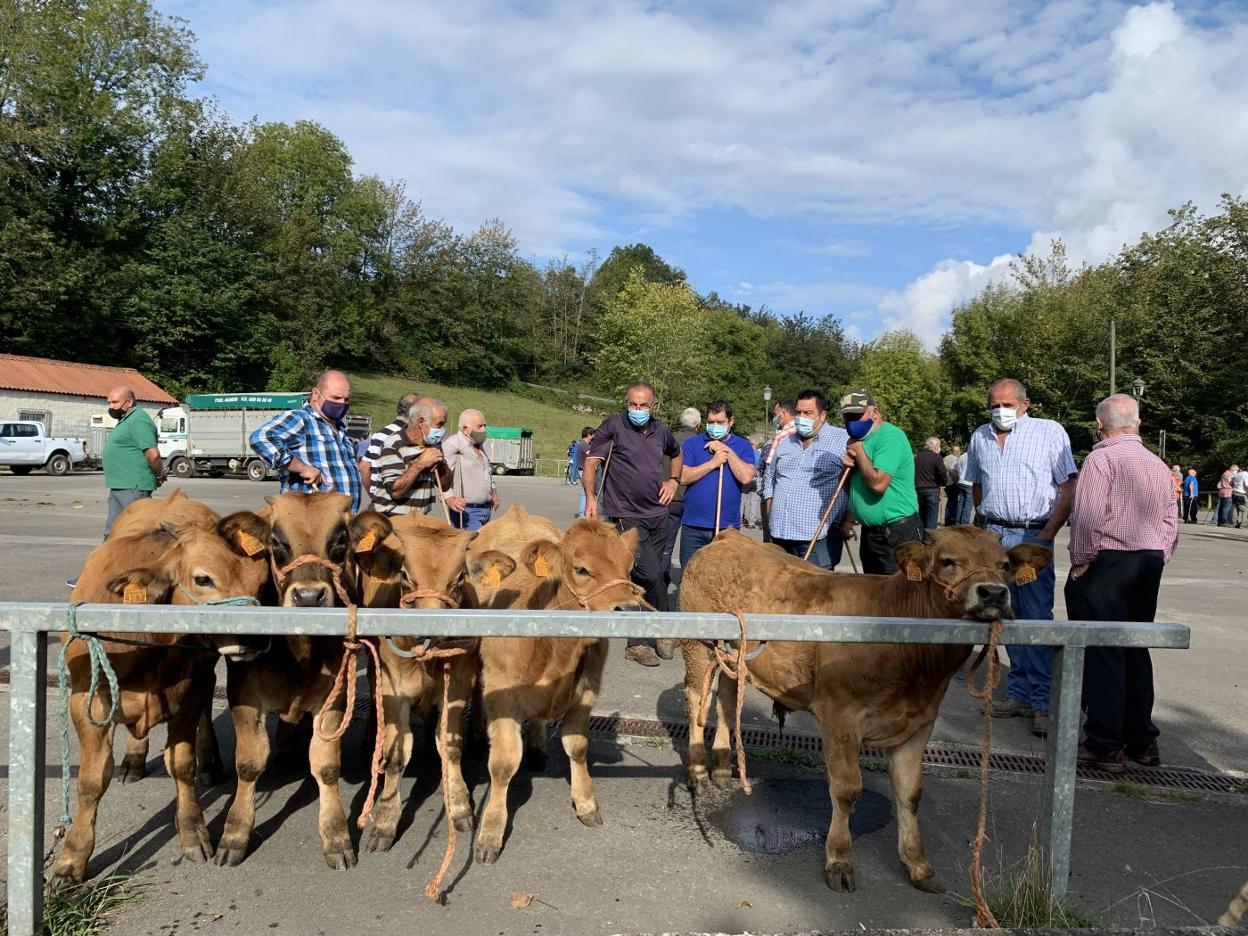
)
(308, 525)
(421, 558)
(203, 566)
(592, 566)
(969, 571)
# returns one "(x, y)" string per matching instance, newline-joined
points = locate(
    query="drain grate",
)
(610, 726)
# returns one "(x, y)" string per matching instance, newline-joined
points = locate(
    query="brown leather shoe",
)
(667, 647)
(1040, 723)
(1110, 763)
(1148, 757)
(643, 654)
(1010, 708)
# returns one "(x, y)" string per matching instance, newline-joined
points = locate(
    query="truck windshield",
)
(169, 424)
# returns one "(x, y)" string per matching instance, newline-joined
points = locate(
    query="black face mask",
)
(116, 413)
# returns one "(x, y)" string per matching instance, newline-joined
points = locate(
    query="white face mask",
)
(1004, 417)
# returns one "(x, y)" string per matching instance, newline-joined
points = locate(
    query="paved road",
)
(662, 863)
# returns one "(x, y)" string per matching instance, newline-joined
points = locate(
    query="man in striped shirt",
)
(1022, 476)
(309, 446)
(410, 468)
(368, 461)
(1122, 533)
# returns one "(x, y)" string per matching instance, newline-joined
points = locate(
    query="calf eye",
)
(581, 570)
(947, 562)
(203, 581)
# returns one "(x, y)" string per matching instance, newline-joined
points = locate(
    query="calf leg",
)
(250, 756)
(208, 764)
(463, 677)
(180, 763)
(905, 772)
(698, 660)
(398, 747)
(840, 757)
(535, 745)
(325, 759)
(133, 766)
(95, 770)
(721, 744)
(504, 733)
(573, 732)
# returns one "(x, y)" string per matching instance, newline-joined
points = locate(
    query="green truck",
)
(510, 450)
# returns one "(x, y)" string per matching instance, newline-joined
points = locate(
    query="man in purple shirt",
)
(632, 447)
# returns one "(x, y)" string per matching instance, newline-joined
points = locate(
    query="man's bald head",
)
(406, 402)
(121, 397)
(1118, 415)
(333, 378)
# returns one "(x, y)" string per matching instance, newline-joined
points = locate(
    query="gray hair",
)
(406, 402)
(933, 443)
(1015, 385)
(426, 408)
(469, 414)
(1119, 411)
(690, 418)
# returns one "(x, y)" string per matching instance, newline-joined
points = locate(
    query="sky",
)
(880, 162)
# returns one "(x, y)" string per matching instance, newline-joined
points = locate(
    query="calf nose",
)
(993, 594)
(313, 596)
(628, 606)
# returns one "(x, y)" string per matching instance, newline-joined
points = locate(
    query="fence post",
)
(28, 704)
(1059, 767)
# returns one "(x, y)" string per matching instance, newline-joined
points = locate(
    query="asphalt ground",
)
(662, 862)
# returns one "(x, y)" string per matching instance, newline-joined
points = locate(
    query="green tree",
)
(908, 384)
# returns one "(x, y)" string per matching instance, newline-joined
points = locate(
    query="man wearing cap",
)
(882, 495)
(1022, 474)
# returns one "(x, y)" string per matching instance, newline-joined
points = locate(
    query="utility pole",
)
(1113, 358)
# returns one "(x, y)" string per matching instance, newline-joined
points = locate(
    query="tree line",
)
(141, 226)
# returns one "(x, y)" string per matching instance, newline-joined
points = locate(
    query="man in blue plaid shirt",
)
(309, 446)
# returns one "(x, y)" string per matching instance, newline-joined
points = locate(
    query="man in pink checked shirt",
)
(1123, 530)
(783, 415)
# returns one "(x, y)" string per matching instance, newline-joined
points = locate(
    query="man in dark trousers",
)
(633, 447)
(930, 477)
(1123, 530)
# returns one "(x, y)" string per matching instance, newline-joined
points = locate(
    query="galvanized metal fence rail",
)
(30, 624)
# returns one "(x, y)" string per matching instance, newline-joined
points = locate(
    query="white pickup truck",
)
(24, 447)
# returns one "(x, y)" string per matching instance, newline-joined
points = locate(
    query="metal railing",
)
(30, 624)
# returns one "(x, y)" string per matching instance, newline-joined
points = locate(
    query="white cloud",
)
(923, 306)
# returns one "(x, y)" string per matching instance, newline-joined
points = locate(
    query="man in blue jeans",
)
(717, 466)
(1022, 474)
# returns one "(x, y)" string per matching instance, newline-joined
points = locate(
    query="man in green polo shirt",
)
(133, 467)
(881, 489)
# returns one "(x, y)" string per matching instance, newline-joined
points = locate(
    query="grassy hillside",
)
(554, 425)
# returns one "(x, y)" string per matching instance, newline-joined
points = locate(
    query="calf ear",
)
(144, 585)
(914, 559)
(629, 539)
(246, 533)
(544, 559)
(1027, 560)
(490, 568)
(368, 529)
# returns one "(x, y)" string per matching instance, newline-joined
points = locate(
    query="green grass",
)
(874, 765)
(1139, 791)
(554, 423)
(788, 756)
(85, 909)
(645, 741)
(1021, 897)
(1241, 786)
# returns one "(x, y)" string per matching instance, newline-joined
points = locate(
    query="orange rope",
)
(737, 670)
(983, 914)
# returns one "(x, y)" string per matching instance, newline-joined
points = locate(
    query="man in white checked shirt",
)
(1022, 474)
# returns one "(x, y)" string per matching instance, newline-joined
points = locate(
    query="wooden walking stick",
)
(719, 499)
(827, 513)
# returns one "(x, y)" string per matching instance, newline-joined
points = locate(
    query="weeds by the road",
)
(645, 741)
(1241, 786)
(790, 756)
(1139, 791)
(874, 764)
(84, 909)
(1021, 897)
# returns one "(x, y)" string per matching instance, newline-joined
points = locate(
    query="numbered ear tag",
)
(541, 568)
(913, 573)
(1024, 574)
(251, 546)
(494, 578)
(367, 542)
(134, 593)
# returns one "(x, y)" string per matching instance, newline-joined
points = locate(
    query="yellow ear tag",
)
(541, 568)
(134, 593)
(494, 578)
(913, 573)
(367, 542)
(251, 545)
(1024, 574)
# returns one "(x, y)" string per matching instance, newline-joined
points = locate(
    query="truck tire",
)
(21, 470)
(58, 464)
(257, 470)
(182, 468)
(500, 469)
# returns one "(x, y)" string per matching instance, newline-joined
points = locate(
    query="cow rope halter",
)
(584, 598)
(984, 917)
(346, 675)
(427, 653)
(735, 667)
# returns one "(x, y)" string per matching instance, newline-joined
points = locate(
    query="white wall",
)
(71, 415)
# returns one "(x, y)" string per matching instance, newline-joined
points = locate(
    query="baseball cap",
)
(856, 401)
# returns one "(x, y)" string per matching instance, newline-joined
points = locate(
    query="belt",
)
(1015, 524)
(913, 518)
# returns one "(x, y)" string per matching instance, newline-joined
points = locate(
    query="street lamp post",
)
(767, 409)
(1137, 388)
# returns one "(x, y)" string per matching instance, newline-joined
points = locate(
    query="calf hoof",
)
(200, 848)
(591, 819)
(380, 840)
(722, 778)
(534, 760)
(340, 857)
(463, 823)
(64, 876)
(840, 876)
(132, 769)
(929, 885)
(230, 855)
(698, 782)
(487, 849)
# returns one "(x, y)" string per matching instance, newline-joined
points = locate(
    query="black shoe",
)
(1148, 757)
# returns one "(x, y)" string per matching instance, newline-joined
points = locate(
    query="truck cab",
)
(24, 446)
(171, 433)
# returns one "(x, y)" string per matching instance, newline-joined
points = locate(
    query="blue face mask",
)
(775, 423)
(435, 436)
(334, 411)
(805, 426)
(638, 417)
(859, 429)
(716, 430)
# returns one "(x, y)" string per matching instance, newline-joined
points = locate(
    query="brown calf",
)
(160, 683)
(886, 695)
(543, 679)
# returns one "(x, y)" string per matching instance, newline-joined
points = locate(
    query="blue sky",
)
(878, 161)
